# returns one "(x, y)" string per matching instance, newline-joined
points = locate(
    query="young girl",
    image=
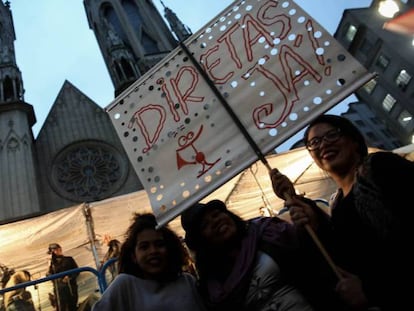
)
(150, 272)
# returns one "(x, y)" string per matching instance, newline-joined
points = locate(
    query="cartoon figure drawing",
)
(186, 142)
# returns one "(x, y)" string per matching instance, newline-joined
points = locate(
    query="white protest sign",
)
(272, 64)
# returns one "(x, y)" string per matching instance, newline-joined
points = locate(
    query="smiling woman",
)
(151, 273)
(369, 226)
(250, 265)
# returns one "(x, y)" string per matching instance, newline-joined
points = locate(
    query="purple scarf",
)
(272, 230)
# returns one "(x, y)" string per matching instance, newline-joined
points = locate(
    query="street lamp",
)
(388, 8)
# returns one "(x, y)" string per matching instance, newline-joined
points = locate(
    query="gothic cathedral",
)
(77, 156)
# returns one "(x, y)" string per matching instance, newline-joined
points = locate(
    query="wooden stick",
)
(312, 234)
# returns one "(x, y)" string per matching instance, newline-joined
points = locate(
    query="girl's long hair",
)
(175, 249)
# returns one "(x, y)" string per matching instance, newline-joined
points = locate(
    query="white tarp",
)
(24, 243)
(274, 68)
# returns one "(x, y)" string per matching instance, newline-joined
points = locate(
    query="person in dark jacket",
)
(369, 231)
(65, 288)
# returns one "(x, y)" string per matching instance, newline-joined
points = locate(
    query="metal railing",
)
(91, 284)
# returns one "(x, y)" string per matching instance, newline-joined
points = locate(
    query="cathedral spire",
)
(11, 82)
(132, 36)
(17, 150)
(179, 28)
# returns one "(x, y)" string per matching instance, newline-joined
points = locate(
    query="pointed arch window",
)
(133, 13)
(127, 68)
(8, 89)
(118, 70)
(149, 44)
(113, 22)
(137, 22)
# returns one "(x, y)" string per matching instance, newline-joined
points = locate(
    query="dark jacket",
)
(370, 232)
(66, 294)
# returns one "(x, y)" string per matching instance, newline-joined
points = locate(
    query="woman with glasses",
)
(368, 232)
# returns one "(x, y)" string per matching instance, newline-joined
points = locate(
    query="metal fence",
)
(91, 284)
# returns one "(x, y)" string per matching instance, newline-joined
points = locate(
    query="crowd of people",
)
(65, 288)
(269, 263)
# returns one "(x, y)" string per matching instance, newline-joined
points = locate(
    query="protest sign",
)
(268, 62)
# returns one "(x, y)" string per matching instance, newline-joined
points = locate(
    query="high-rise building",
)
(385, 108)
(77, 156)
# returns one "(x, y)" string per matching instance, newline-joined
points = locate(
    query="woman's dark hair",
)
(114, 244)
(175, 249)
(346, 127)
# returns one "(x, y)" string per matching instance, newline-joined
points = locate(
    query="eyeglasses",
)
(329, 137)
